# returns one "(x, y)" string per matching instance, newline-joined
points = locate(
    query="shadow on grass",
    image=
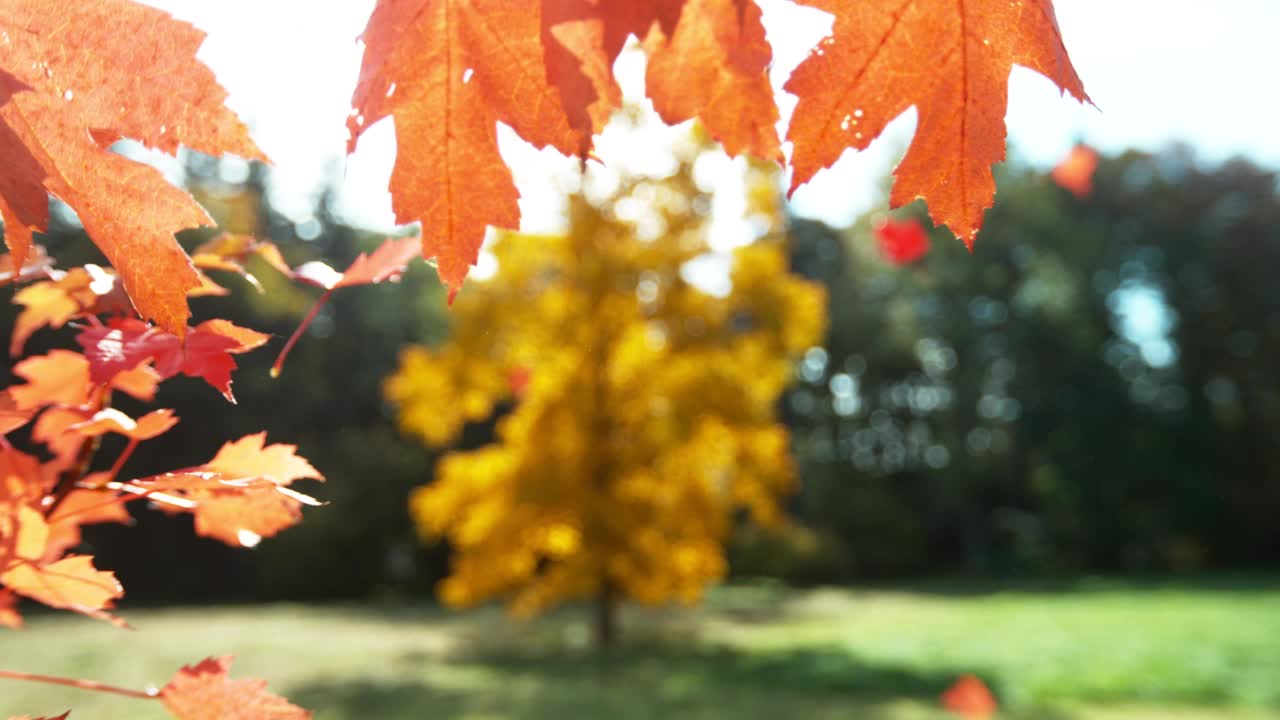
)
(647, 680)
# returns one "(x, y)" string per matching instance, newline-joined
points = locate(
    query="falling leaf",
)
(951, 61)
(75, 76)
(205, 691)
(1075, 172)
(969, 698)
(902, 241)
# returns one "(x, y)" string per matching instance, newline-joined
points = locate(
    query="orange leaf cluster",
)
(448, 71)
(238, 497)
(75, 77)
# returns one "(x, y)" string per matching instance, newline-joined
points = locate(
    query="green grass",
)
(1082, 651)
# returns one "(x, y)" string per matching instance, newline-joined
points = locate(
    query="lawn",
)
(1086, 650)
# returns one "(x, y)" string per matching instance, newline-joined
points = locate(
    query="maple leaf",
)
(707, 59)
(205, 691)
(448, 71)
(229, 252)
(241, 495)
(715, 68)
(952, 62)
(81, 507)
(38, 263)
(1075, 172)
(71, 583)
(87, 290)
(77, 75)
(386, 263)
(111, 420)
(9, 616)
(902, 241)
(969, 698)
(583, 38)
(125, 343)
(60, 377)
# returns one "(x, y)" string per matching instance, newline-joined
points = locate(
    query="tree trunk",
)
(606, 625)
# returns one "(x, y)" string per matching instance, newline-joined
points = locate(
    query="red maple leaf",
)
(125, 343)
(951, 61)
(969, 698)
(205, 691)
(75, 77)
(1075, 172)
(902, 241)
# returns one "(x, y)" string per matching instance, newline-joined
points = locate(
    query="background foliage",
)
(1078, 437)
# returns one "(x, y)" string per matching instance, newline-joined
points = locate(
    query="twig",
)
(81, 684)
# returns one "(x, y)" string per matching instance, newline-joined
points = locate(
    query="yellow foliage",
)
(642, 406)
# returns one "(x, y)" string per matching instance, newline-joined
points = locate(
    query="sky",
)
(1158, 71)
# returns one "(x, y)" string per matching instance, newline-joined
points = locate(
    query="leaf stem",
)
(72, 476)
(81, 684)
(293, 339)
(124, 457)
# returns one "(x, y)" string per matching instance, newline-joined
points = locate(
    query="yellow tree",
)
(642, 407)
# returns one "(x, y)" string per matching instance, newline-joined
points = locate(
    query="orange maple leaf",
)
(87, 290)
(77, 75)
(205, 691)
(241, 495)
(1075, 172)
(71, 583)
(707, 59)
(952, 62)
(111, 420)
(716, 67)
(78, 508)
(229, 252)
(448, 71)
(9, 616)
(969, 698)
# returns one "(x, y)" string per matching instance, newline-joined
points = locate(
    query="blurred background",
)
(1050, 463)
